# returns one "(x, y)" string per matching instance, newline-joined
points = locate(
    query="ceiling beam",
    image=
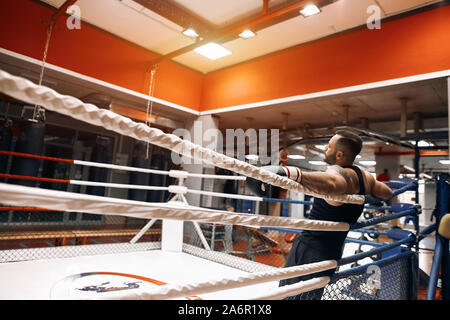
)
(61, 10)
(265, 7)
(270, 18)
(177, 15)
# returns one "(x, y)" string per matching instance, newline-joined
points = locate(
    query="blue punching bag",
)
(158, 163)
(31, 140)
(5, 145)
(169, 165)
(101, 152)
(139, 160)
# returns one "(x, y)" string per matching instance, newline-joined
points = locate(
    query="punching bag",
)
(5, 145)
(158, 163)
(101, 152)
(231, 187)
(139, 160)
(31, 140)
(168, 181)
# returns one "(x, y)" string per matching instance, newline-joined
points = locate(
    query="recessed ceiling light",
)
(310, 10)
(358, 157)
(247, 34)
(252, 157)
(368, 162)
(190, 33)
(422, 143)
(321, 146)
(296, 157)
(444, 161)
(212, 51)
(317, 163)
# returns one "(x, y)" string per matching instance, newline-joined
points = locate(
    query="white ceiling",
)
(131, 21)
(381, 105)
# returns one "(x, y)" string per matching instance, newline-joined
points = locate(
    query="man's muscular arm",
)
(334, 181)
(378, 189)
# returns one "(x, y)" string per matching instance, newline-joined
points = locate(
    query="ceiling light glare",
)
(190, 33)
(444, 161)
(422, 143)
(296, 157)
(368, 162)
(252, 157)
(212, 51)
(310, 10)
(321, 146)
(317, 163)
(247, 34)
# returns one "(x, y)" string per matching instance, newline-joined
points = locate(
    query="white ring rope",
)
(75, 202)
(293, 289)
(119, 167)
(180, 174)
(225, 195)
(25, 90)
(173, 189)
(117, 185)
(171, 173)
(215, 176)
(171, 291)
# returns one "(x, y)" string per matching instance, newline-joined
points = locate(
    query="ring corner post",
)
(172, 235)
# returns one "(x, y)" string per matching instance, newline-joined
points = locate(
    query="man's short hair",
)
(350, 142)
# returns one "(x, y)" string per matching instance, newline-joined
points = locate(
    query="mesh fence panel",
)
(29, 235)
(258, 249)
(397, 281)
(260, 246)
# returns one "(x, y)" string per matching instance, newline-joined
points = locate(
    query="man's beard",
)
(330, 159)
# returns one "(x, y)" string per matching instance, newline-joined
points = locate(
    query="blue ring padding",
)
(297, 231)
(380, 249)
(410, 187)
(435, 266)
(427, 231)
(395, 207)
(399, 182)
(398, 234)
(398, 207)
(376, 232)
(395, 184)
(287, 201)
(378, 208)
(364, 242)
(374, 221)
(370, 243)
(344, 273)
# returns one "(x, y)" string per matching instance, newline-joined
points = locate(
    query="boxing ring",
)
(184, 262)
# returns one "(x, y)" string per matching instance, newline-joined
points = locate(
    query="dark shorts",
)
(308, 252)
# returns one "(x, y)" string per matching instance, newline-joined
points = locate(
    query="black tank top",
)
(321, 210)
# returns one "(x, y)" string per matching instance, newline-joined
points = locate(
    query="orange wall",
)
(95, 53)
(407, 46)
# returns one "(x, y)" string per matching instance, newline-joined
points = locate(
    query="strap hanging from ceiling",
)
(149, 111)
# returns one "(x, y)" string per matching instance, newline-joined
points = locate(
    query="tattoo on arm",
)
(342, 172)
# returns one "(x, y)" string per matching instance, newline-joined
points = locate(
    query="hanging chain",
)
(37, 108)
(149, 111)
